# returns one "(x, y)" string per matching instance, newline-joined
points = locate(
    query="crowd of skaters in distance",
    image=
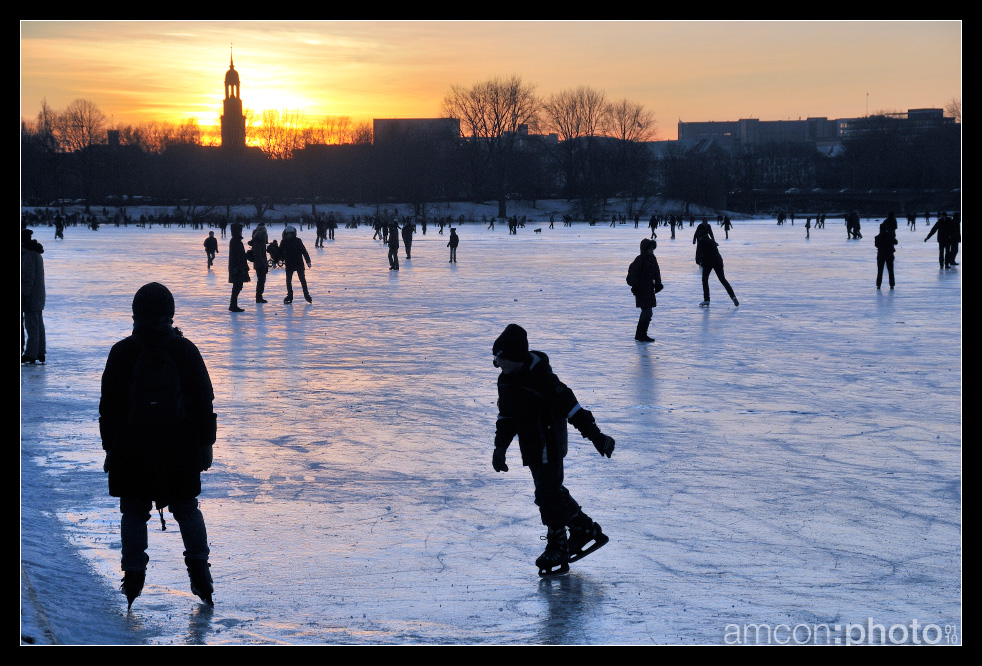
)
(396, 232)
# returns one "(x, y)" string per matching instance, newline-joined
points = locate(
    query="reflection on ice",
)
(796, 459)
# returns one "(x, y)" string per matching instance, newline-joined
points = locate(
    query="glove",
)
(498, 460)
(604, 444)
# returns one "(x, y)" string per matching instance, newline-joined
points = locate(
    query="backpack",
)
(155, 396)
(632, 274)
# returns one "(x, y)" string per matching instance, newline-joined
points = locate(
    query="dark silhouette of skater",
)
(727, 225)
(238, 267)
(258, 244)
(211, 248)
(535, 406)
(704, 229)
(942, 229)
(454, 242)
(408, 229)
(157, 428)
(712, 261)
(32, 299)
(393, 243)
(294, 256)
(644, 277)
(954, 238)
(886, 244)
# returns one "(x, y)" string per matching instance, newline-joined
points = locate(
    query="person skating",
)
(158, 429)
(704, 229)
(941, 228)
(393, 243)
(708, 251)
(454, 242)
(32, 299)
(886, 244)
(211, 248)
(294, 256)
(408, 229)
(644, 277)
(535, 406)
(260, 238)
(238, 267)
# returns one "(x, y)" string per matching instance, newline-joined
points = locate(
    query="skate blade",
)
(561, 569)
(583, 552)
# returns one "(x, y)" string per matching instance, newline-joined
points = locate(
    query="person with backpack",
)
(644, 277)
(535, 406)
(158, 427)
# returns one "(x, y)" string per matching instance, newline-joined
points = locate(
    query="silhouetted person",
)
(727, 225)
(32, 299)
(157, 428)
(954, 238)
(393, 243)
(941, 229)
(704, 229)
(452, 244)
(644, 277)
(886, 245)
(238, 267)
(535, 406)
(712, 261)
(294, 257)
(408, 229)
(259, 240)
(211, 248)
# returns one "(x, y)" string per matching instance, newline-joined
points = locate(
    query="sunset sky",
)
(136, 71)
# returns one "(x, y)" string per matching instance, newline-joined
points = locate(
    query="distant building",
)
(233, 120)
(390, 130)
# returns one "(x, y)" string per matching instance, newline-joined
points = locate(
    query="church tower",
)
(233, 120)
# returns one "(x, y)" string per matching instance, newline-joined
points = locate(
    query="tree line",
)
(512, 143)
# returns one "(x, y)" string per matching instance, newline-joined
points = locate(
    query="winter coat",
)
(293, 253)
(708, 252)
(646, 278)
(534, 405)
(154, 463)
(454, 240)
(238, 267)
(211, 244)
(702, 231)
(885, 243)
(32, 294)
(259, 240)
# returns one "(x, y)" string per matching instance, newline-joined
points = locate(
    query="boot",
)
(585, 536)
(132, 585)
(555, 559)
(201, 583)
(641, 335)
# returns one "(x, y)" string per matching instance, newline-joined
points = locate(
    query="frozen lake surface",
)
(792, 462)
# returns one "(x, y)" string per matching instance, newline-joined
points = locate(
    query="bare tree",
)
(495, 115)
(630, 121)
(954, 109)
(80, 125)
(576, 113)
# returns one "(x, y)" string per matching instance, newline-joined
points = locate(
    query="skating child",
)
(534, 405)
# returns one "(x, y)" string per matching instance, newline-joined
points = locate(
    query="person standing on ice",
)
(644, 277)
(294, 256)
(708, 252)
(158, 429)
(32, 299)
(238, 267)
(454, 242)
(393, 243)
(535, 406)
(211, 248)
(941, 228)
(886, 244)
(258, 243)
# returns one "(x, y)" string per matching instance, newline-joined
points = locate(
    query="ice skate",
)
(583, 540)
(201, 583)
(704, 304)
(132, 585)
(736, 303)
(555, 559)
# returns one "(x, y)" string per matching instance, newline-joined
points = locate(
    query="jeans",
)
(133, 531)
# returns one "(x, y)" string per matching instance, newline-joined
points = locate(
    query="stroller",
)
(275, 256)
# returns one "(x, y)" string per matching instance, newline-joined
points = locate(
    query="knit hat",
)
(153, 302)
(512, 344)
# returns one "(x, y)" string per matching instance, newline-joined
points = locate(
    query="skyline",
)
(137, 71)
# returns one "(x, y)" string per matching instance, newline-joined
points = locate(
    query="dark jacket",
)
(885, 243)
(646, 280)
(238, 267)
(32, 291)
(160, 464)
(707, 251)
(211, 244)
(293, 253)
(534, 405)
